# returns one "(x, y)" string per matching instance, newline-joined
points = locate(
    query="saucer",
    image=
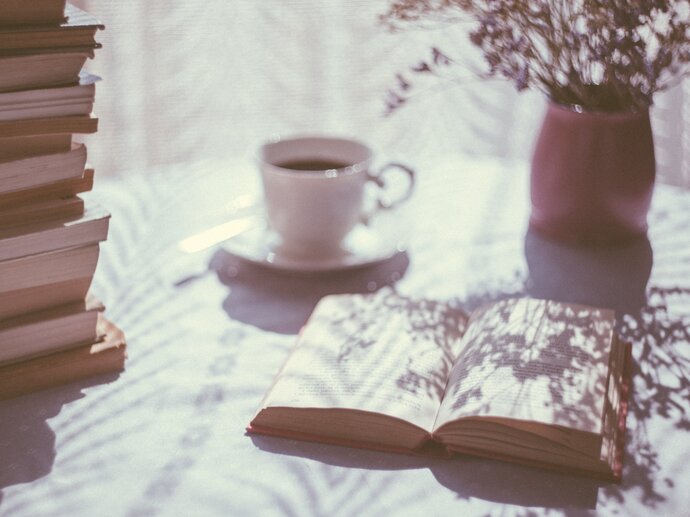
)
(363, 246)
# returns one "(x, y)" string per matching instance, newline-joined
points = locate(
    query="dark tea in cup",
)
(313, 164)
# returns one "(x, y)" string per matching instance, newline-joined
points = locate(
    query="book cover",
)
(53, 190)
(63, 101)
(20, 240)
(106, 355)
(79, 124)
(40, 297)
(41, 211)
(38, 170)
(32, 12)
(48, 268)
(17, 148)
(41, 70)
(78, 30)
(40, 333)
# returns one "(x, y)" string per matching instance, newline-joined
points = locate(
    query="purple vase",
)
(592, 175)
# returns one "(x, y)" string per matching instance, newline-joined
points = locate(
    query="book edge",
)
(109, 354)
(314, 438)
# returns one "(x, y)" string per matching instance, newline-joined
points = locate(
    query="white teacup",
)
(314, 190)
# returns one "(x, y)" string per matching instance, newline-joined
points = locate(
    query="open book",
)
(523, 380)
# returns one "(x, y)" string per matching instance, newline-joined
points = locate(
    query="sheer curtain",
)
(185, 81)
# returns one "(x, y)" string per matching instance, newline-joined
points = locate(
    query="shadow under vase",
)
(614, 277)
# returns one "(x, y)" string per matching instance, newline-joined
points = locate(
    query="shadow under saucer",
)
(281, 301)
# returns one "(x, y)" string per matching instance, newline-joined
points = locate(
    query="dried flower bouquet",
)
(601, 55)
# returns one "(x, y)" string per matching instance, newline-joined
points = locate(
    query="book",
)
(48, 268)
(44, 296)
(31, 213)
(80, 124)
(39, 170)
(47, 191)
(107, 355)
(32, 12)
(51, 330)
(40, 333)
(18, 147)
(41, 70)
(78, 30)
(522, 380)
(50, 102)
(29, 239)
(10, 52)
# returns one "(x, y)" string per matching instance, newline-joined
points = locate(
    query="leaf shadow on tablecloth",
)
(620, 277)
(281, 302)
(27, 442)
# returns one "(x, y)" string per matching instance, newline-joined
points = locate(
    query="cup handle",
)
(383, 202)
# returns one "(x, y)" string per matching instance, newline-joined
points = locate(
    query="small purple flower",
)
(522, 79)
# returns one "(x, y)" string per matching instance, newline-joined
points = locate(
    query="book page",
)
(381, 353)
(533, 360)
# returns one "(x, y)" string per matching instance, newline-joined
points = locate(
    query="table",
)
(207, 332)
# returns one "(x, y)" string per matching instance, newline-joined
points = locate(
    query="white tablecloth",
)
(207, 332)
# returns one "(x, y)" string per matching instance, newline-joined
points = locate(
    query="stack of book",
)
(51, 329)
